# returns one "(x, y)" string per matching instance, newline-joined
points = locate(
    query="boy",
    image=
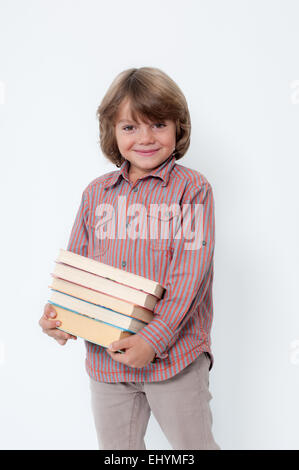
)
(144, 128)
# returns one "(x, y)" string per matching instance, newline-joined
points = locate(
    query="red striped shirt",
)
(181, 328)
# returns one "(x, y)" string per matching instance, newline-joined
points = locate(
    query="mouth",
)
(146, 153)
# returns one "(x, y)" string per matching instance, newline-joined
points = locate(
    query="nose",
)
(146, 136)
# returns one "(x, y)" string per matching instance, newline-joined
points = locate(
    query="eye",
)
(129, 127)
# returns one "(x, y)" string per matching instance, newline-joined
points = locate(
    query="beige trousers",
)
(180, 405)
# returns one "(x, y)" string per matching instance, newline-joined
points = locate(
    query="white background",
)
(237, 63)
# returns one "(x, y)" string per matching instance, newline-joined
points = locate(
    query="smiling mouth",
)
(147, 152)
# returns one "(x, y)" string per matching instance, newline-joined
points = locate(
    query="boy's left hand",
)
(138, 352)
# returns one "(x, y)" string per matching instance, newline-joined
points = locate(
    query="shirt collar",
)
(162, 171)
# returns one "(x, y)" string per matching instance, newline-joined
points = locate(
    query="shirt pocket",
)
(160, 232)
(98, 246)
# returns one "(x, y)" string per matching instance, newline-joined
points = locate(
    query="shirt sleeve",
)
(78, 240)
(188, 275)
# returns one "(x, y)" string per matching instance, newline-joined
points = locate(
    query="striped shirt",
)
(181, 327)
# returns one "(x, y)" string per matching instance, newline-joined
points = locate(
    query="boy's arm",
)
(187, 278)
(78, 240)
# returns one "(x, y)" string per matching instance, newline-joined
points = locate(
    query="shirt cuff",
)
(158, 334)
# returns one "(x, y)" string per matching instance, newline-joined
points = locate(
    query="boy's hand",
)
(138, 352)
(49, 325)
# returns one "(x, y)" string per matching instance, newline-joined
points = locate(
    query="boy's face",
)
(158, 139)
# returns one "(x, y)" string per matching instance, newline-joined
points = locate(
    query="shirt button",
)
(123, 264)
(135, 190)
(204, 243)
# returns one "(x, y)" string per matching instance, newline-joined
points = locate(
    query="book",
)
(110, 272)
(89, 329)
(98, 302)
(98, 298)
(106, 286)
(97, 312)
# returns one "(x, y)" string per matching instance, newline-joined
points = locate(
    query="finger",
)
(49, 311)
(57, 334)
(62, 341)
(49, 324)
(62, 335)
(118, 357)
(121, 344)
(69, 336)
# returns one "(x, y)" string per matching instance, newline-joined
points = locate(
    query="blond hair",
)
(152, 95)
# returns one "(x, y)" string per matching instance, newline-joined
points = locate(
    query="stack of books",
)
(99, 302)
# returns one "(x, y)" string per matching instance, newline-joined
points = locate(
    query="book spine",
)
(91, 318)
(97, 305)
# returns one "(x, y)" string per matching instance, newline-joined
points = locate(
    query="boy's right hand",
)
(49, 326)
